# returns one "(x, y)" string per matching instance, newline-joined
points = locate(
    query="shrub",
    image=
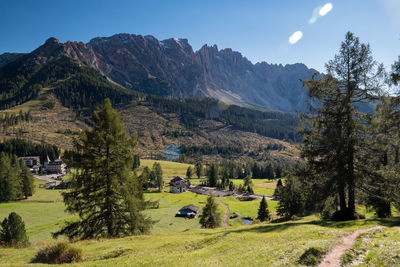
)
(12, 232)
(311, 257)
(59, 253)
(49, 105)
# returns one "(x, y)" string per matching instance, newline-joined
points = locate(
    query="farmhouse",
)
(178, 185)
(189, 211)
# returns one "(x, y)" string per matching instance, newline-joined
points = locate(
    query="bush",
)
(12, 232)
(311, 257)
(59, 253)
(49, 105)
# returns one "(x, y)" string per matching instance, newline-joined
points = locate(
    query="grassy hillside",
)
(257, 245)
(55, 124)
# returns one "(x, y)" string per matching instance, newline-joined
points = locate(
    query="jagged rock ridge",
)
(171, 68)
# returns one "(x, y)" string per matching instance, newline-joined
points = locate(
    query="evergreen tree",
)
(27, 181)
(278, 171)
(12, 232)
(291, 199)
(249, 190)
(231, 186)
(106, 194)
(145, 177)
(212, 175)
(278, 188)
(136, 162)
(263, 212)
(269, 172)
(247, 181)
(335, 132)
(157, 171)
(10, 186)
(199, 169)
(189, 172)
(210, 218)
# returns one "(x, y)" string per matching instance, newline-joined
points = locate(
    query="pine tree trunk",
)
(108, 200)
(351, 183)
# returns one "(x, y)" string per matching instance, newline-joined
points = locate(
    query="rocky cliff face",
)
(171, 68)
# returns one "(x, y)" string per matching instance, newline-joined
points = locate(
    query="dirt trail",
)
(227, 212)
(335, 255)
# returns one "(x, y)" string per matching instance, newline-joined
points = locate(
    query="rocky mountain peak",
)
(171, 68)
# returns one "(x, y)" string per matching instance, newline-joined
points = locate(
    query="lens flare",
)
(325, 9)
(295, 37)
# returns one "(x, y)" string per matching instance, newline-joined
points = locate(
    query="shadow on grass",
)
(362, 223)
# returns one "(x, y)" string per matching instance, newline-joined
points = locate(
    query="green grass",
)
(180, 242)
(40, 218)
(376, 248)
(44, 195)
(256, 245)
(248, 208)
(169, 168)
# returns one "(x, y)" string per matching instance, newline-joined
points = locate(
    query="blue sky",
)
(259, 29)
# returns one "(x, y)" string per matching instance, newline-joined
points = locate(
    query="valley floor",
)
(180, 242)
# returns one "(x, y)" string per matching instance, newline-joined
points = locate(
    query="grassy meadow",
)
(177, 241)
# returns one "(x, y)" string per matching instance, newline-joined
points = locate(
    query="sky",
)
(274, 31)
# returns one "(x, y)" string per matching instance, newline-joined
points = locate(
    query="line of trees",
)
(24, 148)
(152, 178)
(238, 170)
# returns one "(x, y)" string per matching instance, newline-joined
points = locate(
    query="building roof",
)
(30, 157)
(190, 207)
(177, 179)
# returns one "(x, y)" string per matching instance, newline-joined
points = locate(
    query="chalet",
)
(178, 185)
(189, 211)
(32, 162)
(56, 166)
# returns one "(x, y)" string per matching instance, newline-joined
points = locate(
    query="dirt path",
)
(335, 255)
(227, 212)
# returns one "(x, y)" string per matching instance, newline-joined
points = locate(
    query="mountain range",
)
(171, 68)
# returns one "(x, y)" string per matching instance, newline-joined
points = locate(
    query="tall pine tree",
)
(106, 195)
(336, 131)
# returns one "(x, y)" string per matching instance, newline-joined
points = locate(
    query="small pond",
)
(247, 221)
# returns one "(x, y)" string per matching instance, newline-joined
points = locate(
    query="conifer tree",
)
(189, 172)
(199, 169)
(210, 218)
(136, 162)
(335, 131)
(263, 212)
(27, 181)
(106, 195)
(12, 232)
(10, 186)
(212, 175)
(247, 181)
(278, 172)
(157, 171)
(249, 190)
